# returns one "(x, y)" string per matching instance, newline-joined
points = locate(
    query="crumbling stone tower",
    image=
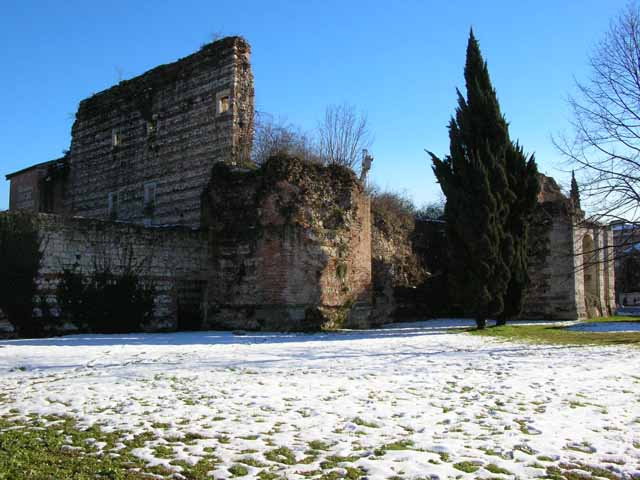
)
(142, 150)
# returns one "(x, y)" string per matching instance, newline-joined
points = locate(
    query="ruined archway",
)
(590, 273)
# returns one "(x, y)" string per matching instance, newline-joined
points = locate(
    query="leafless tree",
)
(343, 134)
(606, 122)
(274, 137)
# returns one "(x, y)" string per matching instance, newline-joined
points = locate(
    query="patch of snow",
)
(410, 399)
(620, 327)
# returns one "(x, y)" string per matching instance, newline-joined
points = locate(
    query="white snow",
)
(448, 396)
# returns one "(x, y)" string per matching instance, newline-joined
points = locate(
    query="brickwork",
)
(26, 188)
(291, 248)
(173, 258)
(397, 268)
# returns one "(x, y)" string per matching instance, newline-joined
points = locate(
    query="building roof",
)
(9, 176)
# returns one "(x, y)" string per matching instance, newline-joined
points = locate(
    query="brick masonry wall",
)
(175, 259)
(291, 248)
(164, 129)
(396, 266)
(24, 193)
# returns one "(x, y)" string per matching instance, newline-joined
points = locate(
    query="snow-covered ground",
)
(620, 327)
(410, 401)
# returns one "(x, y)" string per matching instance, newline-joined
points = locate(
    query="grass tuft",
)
(559, 335)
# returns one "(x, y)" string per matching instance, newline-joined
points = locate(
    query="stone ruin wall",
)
(290, 247)
(552, 293)
(163, 129)
(397, 266)
(174, 259)
(595, 270)
(558, 266)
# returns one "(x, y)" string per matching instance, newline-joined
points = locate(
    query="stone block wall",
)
(595, 277)
(397, 265)
(553, 292)
(175, 259)
(290, 247)
(571, 268)
(142, 151)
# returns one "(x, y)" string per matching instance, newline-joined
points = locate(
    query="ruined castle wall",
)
(595, 278)
(174, 259)
(554, 287)
(142, 151)
(397, 266)
(291, 248)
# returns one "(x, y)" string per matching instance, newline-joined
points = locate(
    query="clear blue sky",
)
(398, 61)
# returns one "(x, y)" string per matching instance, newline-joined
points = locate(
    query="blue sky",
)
(400, 62)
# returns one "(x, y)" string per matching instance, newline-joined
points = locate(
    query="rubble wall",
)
(290, 247)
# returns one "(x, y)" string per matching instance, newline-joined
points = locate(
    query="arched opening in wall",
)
(590, 272)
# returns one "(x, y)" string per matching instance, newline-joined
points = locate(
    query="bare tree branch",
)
(343, 135)
(606, 122)
(277, 137)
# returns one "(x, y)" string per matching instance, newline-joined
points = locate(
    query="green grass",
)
(554, 334)
(281, 455)
(319, 445)
(363, 423)
(493, 468)
(614, 318)
(58, 449)
(238, 471)
(466, 467)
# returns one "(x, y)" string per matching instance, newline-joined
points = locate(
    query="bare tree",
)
(606, 119)
(343, 134)
(276, 137)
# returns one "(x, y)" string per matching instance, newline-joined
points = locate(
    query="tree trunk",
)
(481, 323)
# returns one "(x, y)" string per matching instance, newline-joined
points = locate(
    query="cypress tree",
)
(491, 190)
(522, 176)
(575, 192)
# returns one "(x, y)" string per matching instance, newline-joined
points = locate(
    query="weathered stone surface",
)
(174, 259)
(161, 132)
(561, 267)
(290, 246)
(397, 267)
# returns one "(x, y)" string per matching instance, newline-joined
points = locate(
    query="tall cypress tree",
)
(522, 176)
(489, 186)
(574, 195)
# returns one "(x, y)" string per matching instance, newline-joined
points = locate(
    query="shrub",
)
(104, 301)
(393, 213)
(20, 257)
